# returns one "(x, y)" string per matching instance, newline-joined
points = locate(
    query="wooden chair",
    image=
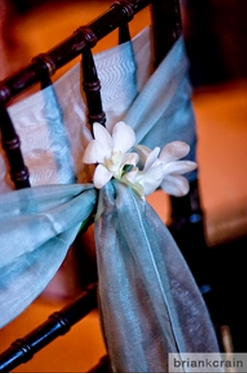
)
(186, 214)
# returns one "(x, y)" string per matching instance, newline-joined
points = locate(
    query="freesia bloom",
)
(172, 181)
(110, 152)
(148, 179)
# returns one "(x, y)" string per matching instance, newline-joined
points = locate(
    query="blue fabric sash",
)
(149, 302)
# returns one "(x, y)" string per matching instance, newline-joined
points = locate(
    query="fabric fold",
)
(163, 112)
(34, 239)
(149, 302)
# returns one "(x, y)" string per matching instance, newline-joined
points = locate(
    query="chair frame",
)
(167, 28)
(43, 66)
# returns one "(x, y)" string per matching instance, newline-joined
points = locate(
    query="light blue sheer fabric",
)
(162, 112)
(156, 305)
(37, 226)
(149, 302)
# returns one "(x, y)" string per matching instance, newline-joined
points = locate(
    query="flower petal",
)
(101, 176)
(123, 137)
(130, 177)
(175, 185)
(174, 151)
(179, 167)
(130, 159)
(151, 178)
(143, 152)
(94, 153)
(152, 157)
(103, 137)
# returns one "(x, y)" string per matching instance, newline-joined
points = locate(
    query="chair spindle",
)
(12, 146)
(124, 33)
(167, 26)
(59, 323)
(49, 68)
(91, 86)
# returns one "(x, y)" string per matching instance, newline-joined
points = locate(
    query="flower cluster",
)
(144, 170)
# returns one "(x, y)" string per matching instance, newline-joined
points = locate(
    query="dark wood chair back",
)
(186, 213)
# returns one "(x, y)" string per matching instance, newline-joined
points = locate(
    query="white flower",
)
(172, 182)
(109, 151)
(163, 169)
(148, 179)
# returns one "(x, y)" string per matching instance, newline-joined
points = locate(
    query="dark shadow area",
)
(215, 36)
(227, 268)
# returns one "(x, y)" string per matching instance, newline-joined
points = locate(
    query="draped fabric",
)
(156, 305)
(149, 302)
(37, 226)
